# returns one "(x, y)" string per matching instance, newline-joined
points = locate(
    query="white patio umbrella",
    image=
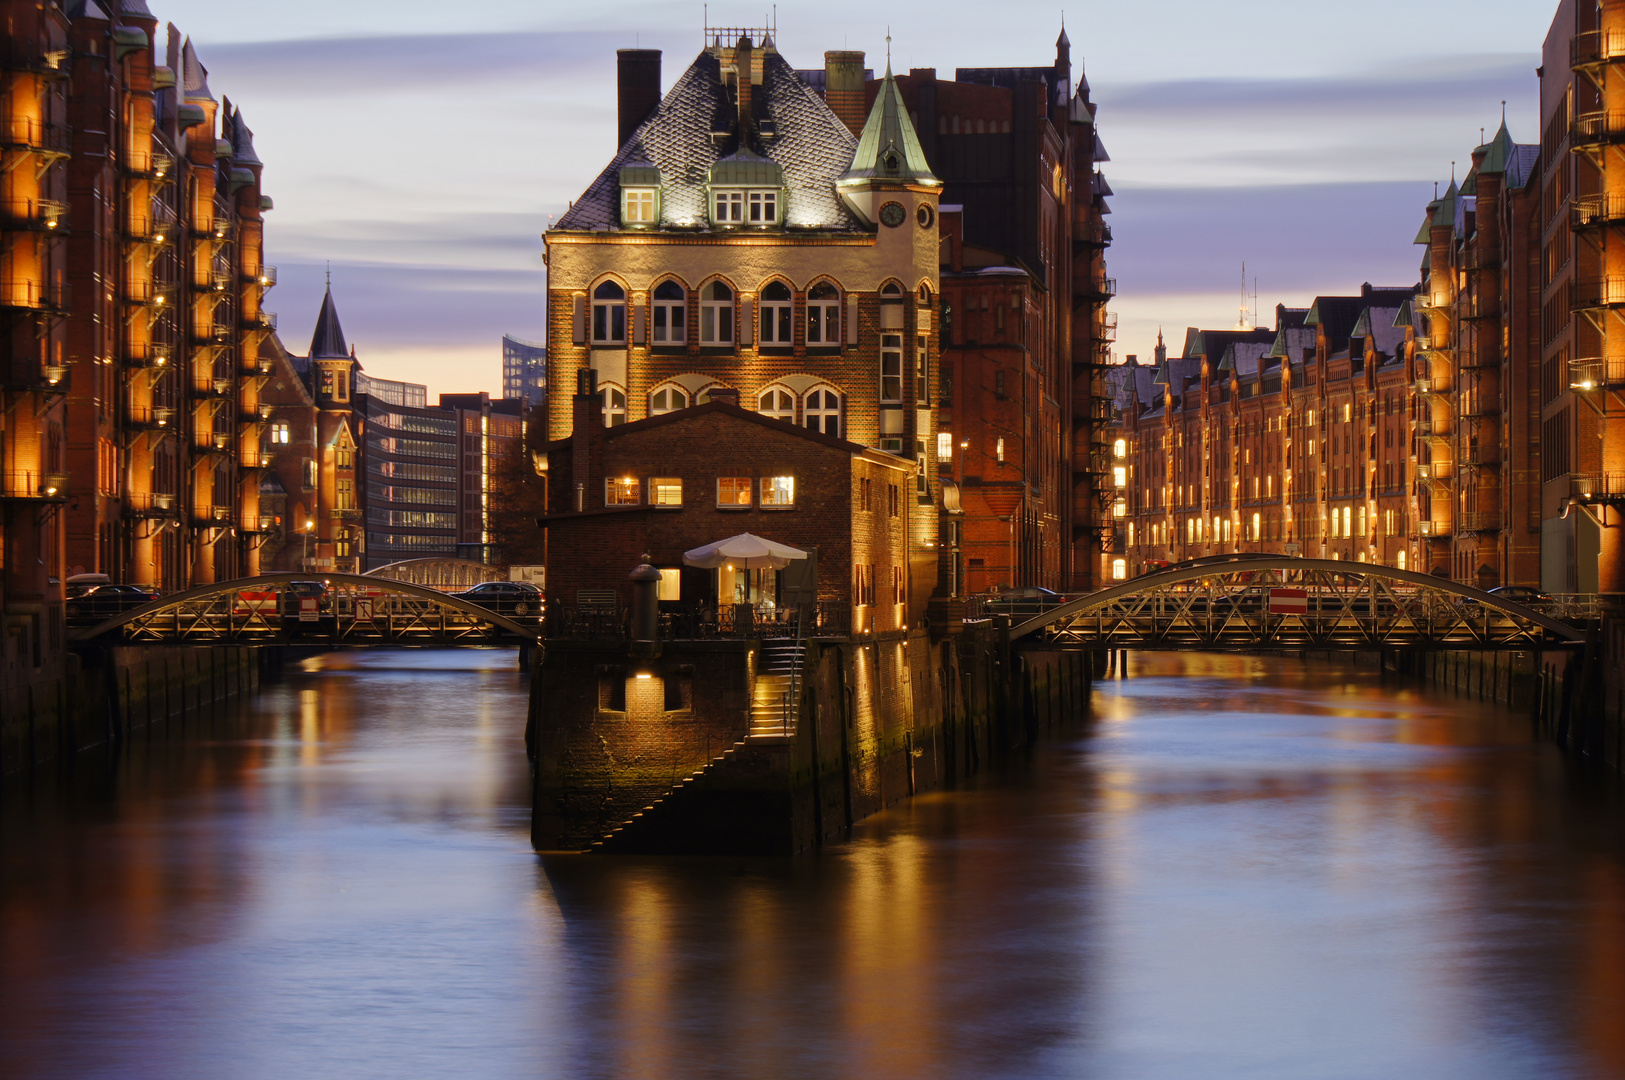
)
(746, 551)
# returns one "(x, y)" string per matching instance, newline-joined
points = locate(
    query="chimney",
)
(743, 65)
(844, 89)
(638, 82)
(587, 441)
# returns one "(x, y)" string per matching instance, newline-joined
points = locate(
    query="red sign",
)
(1289, 602)
(250, 602)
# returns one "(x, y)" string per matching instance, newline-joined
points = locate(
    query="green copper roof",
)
(1500, 150)
(1445, 215)
(746, 168)
(888, 148)
(1469, 186)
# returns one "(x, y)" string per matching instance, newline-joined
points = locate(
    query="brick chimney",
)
(844, 89)
(638, 84)
(587, 443)
(743, 65)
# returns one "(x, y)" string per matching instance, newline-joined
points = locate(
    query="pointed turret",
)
(328, 341)
(888, 158)
(1499, 152)
(1444, 215)
(242, 142)
(194, 76)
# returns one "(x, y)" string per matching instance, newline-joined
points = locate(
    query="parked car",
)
(295, 591)
(515, 599)
(80, 584)
(1520, 594)
(100, 602)
(1023, 602)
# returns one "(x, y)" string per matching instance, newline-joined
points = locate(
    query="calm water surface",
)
(1241, 868)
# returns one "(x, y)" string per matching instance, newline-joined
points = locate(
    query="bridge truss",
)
(1288, 604)
(353, 610)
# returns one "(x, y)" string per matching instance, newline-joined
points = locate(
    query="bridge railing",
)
(727, 621)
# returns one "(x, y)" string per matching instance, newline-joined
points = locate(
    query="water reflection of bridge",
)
(275, 609)
(1283, 603)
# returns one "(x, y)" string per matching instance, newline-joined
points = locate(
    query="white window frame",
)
(781, 407)
(665, 491)
(712, 330)
(817, 414)
(778, 325)
(622, 491)
(640, 205)
(778, 493)
(824, 316)
(891, 369)
(742, 485)
(614, 404)
(603, 315)
(668, 398)
(762, 207)
(669, 317)
(728, 207)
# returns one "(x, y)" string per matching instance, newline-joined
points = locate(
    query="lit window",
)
(670, 314)
(716, 314)
(609, 313)
(1400, 558)
(345, 459)
(666, 491)
(733, 490)
(667, 399)
(998, 449)
(891, 367)
(730, 207)
(638, 206)
(344, 495)
(764, 207)
(1120, 508)
(945, 446)
(280, 433)
(777, 327)
(778, 491)
(1119, 569)
(1120, 475)
(779, 404)
(919, 373)
(1348, 518)
(614, 405)
(1120, 448)
(620, 491)
(822, 411)
(823, 315)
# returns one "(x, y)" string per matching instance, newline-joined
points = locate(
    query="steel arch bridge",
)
(438, 573)
(268, 610)
(1282, 603)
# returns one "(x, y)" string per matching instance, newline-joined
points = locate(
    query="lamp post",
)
(305, 558)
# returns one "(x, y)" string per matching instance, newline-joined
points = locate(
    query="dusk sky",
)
(421, 146)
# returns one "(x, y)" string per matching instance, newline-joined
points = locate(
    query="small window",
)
(716, 314)
(621, 491)
(822, 411)
(891, 368)
(777, 308)
(666, 491)
(667, 399)
(919, 373)
(670, 314)
(764, 207)
(733, 490)
(730, 207)
(1119, 569)
(945, 446)
(344, 459)
(280, 433)
(779, 404)
(638, 206)
(614, 405)
(823, 315)
(344, 495)
(891, 288)
(925, 288)
(609, 313)
(778, 491)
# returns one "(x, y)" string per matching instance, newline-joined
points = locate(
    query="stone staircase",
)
(732, 806)
(777, 683)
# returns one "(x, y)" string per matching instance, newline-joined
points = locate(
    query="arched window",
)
(925, 294)
(716, 314)
(822, 411)
(891, 288)
(778, 403)
(667, 399)
(777, 327)
(670, 314)
(614, 405)
(609, 313)
(823, 315)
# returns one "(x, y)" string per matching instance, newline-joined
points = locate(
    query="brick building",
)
(749, 237)
(668, 484)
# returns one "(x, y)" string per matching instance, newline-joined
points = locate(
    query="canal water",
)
(1240, 867)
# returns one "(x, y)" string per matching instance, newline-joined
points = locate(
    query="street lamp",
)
(309, 525)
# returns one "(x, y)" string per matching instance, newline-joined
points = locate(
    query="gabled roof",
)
(1337, 315)
(327, 343)
(810, 144)
(888, 147)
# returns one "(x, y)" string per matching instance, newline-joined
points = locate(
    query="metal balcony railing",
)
(1480, 521)
(34, 295)
(1597, 128)
(1606, 293)
(155, 293)
(1597, 487)
(1432, 528)
(1596, 211)
(1595, 373)
(148, 417)
(35, 486)
(1594, 47)
(149, 504)
(261, 320)
(20, 54)
(147, 354)
(266, 278)
(33, 133)
(41, 215)
(150, 162)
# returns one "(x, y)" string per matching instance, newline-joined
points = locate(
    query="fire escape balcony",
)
(1435, 471)
(23, 485)
(1092, 234)
(147, 354)
(27, 374)
(1595, 381)
(1097, 291)
(148, 418)
(149, 293)
(37, 215)
(214, 517)
(265, 279)
(155, 163)
(149, 504)
(1595, 129)
(1594, 48)
(260, 320)
(30, 134)
(1598, 295)
(1594, 489)
(213, 442)
(150, 229)
(214, 283)
(20, 54)
(214, 333)
(1479, 521)
(221, 231)
(1596, 211)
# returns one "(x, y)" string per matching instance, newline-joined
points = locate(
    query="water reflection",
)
(1240, 867)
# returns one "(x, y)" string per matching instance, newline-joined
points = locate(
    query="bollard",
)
(645, 609)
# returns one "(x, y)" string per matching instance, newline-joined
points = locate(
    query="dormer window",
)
(743, 207)
(764, 207)
(638, 206)
(730, 207)
(746, 190)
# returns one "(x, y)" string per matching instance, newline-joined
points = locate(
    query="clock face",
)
(892, 215)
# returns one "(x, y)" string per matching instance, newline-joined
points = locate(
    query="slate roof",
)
(194, 76)
(1379, 322)
(1246, 358)
(811, 145)
(136, 7)
(328, 340)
